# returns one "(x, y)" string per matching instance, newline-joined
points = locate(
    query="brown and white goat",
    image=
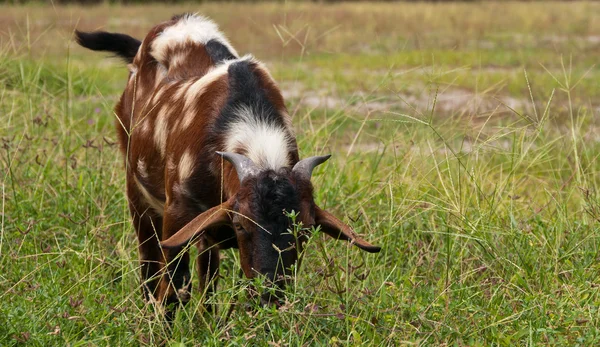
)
(191, 102)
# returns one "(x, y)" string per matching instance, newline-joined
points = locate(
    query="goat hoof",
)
(173, 301)
(181, 298)
(183, 295)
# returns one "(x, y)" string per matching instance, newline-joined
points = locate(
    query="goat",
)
(210, 157)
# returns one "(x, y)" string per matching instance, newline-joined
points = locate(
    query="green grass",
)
(488, 216)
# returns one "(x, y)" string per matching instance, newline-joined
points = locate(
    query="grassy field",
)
(465, 141)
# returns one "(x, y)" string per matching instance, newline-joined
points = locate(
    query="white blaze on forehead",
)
(267, 145)
(194, 28)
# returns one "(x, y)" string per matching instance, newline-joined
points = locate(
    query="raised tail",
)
(122, 45)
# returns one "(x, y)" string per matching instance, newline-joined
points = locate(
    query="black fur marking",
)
(218, 52)
(273, 195)
(122, 45)
(245, 90)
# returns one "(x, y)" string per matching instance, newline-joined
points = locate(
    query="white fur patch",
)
(267, 145)
(186, 166)
(194, 28)
(177, 60)
(161, 131)
(160, 90)
(145, 128)
(141, 167)
(156, 204)
(181, 90)
(199, 87)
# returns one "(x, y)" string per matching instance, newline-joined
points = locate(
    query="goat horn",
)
(305, 166)
(243, 165)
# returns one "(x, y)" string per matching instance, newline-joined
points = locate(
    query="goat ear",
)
(215, 216)
(337, 229)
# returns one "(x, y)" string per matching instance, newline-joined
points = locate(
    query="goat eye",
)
(241, 232)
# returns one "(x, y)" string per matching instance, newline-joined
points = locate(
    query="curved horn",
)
(305, 166)
(243, 165)
(337, 229)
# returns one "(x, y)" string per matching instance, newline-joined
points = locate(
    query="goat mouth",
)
(269, 295)
(272, 291)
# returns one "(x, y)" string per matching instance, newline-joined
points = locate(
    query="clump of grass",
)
(488, 215)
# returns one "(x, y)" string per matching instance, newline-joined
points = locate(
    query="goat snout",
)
(273, 290)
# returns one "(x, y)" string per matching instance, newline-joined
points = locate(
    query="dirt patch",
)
(449, 101)
(462, 101)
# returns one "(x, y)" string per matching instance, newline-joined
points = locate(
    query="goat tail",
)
(122, 45)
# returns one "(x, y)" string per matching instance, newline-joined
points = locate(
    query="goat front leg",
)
(148, 233)
(208, 269)
(174, 284)
(148, 227)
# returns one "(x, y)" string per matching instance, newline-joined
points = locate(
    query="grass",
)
(464, 140)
